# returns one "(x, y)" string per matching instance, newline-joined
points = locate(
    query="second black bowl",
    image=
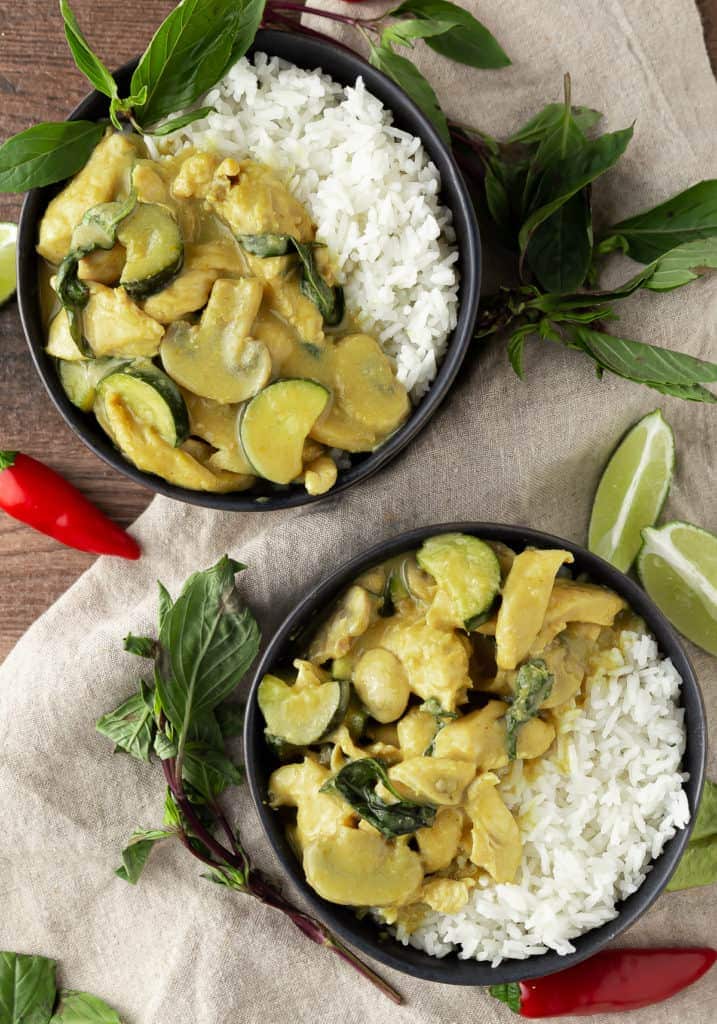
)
(344, 67)
(364, 934)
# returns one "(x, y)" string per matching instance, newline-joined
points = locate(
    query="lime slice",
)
(632, 490)
(8, 272)
(678, 568)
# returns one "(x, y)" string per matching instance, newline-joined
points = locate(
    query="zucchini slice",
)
(467, 573)
(301, 715)
(275, 424)
(152, 397)
(155, 250)
(80, 379)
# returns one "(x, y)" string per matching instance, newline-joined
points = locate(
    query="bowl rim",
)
(310, 53)
(451, 969)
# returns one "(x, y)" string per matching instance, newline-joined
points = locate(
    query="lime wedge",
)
(8, 273)
(632, 490)
(678, 568)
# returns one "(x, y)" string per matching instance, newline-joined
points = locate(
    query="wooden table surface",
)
(38, 82)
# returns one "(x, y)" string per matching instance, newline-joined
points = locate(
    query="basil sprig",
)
(698, 864)
(29, 995)
(537, 190)
(183, 718)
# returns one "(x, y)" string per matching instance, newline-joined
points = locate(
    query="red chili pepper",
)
(40, 497)
(612, 980)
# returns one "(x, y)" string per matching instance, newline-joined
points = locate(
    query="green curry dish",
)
(467, 572)
(356, 782)
(96, 230)
(532, 686)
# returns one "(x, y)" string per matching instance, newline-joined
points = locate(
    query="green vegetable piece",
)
(466, 570)
(46, 153)
(27, 988)
(79, 379)
(155, 249)
(328, 300)
(301, 715)
(508, 993)
(532, 686)
(466, 41)
(686, 217)
(266, 245)
(152, 397)
(82, 1008)
(275, 424)
(356, 782)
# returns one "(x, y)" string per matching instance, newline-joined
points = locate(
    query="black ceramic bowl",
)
(364, 934)
(344, 67)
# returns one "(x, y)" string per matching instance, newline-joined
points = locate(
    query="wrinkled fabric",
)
(175, 949)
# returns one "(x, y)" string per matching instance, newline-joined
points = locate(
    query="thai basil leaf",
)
(27, 988)
(82, 1008)
(356, 782)
(137, 851)
(403, 33)
(232, 878)
(89, 63)
(266, 245)
(209, 771)
(561, 140)
(516, 344)
(410, 79)
(329, 300)
(165, 603)
(142, 646)
(688, 216)
(706, 818)
(508, 993)
(468, 42)
(560, 251)
(640, 362)
(549, 117)
(164, 746)
(687, 392)
(46, 153)
(175, 123)
(681, 265)
(209, 639)
(532, 686)
(230, 718)
(131, 726)
(504, 185)
(192, 49)
(564, 176)
(697, 867)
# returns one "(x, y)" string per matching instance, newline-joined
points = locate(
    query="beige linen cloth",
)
(175, 949)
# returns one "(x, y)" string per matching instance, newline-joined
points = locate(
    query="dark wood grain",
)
(39, 82)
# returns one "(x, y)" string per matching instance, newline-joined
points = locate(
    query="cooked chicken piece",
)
(103, 265)
(252, 200)
(352, 617)
(526, 595)
(571, 601)
(495, 837)
(115, 326)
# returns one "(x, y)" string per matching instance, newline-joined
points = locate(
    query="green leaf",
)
(209, 771)
(27, 988)
(516, 344)
(410, 79)
(137, 851)
(560, 251)
(531, 687)
(549, 117)
(681, 265)
(469, 42)
(688, 392)
(563, 176)
(172, 814)
(230, 718)
(232, 878)
(130, 726)
(403, 33)
(697, 867)
(89, 63)
(165, 603)
(164, 746)
(193, 48)
(508, 993)
(706, 819)
(142, 646)
(504, 183)
(637, 361)
(356, 782)
(688, 216)
(46, 153)
(210, 639)
(175, 123)
(82, 1008)
(328, 300)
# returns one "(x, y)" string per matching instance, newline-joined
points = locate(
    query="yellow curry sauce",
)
(438, 698)
(188, 321)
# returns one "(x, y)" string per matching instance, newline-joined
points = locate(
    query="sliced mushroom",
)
(351, 618)
(381, 683)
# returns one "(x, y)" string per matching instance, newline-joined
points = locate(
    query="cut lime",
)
(8, 272)
(678, 568)
(632, 490)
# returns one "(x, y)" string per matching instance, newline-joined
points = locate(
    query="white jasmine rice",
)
(593, 816)
(370, 188)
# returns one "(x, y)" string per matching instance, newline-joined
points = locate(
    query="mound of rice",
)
(593, 816)
(370, 188)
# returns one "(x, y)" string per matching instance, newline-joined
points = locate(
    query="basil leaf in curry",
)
(532, 686)
(356, 782)
(329, 300)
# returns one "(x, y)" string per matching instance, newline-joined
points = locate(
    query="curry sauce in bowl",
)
(191, 324)
(468, 748)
